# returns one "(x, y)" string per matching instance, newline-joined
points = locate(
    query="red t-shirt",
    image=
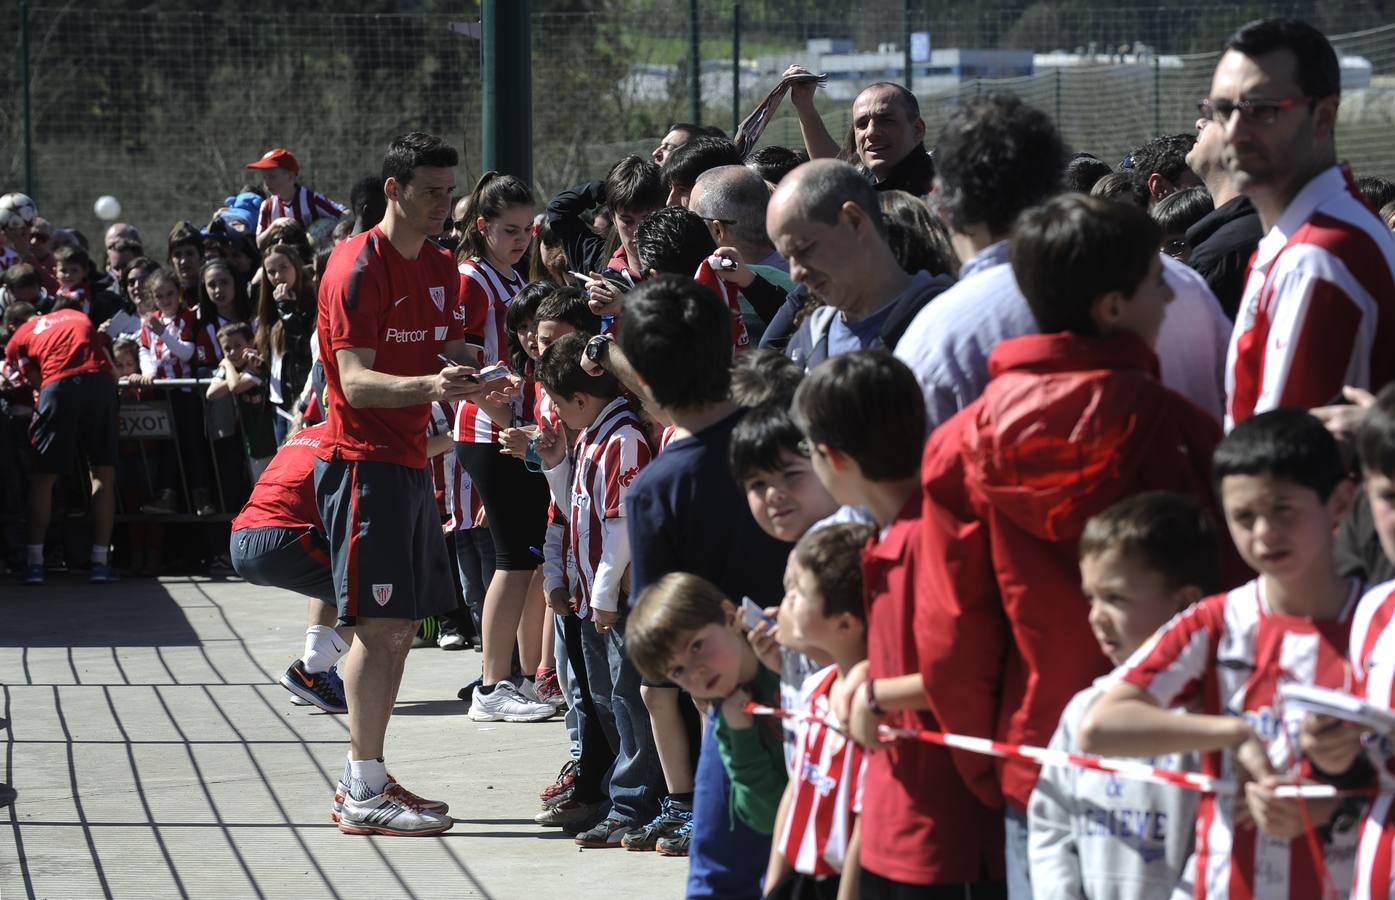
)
(61, 344)
(920, 822)
(284, 497)
(372, 298)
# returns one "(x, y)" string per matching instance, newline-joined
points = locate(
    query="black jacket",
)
(915, 174)
(566, 216)
(1222, 244)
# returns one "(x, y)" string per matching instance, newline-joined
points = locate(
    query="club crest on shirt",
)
(382, 593)
(628, 476)
(438, 297)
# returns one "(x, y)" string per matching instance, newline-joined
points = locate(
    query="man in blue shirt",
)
(825, 219)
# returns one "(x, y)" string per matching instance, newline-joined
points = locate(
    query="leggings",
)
(515, 502)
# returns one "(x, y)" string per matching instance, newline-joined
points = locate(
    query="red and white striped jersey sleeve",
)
(609, 455)
(1233, 653)
(312, 205)
(828, 778)
(1318, 309)
(1373, 668)
(486, 295)
(1174, 664)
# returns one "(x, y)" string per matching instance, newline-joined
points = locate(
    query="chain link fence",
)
(161, 108)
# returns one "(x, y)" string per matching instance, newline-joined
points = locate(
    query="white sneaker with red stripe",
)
(341, 791)
(393, 813)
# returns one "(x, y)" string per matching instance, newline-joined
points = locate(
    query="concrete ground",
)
(155, 756)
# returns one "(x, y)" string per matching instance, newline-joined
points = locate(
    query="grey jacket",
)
(1093, 835)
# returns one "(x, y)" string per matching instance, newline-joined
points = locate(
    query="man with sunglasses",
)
(1318, 308)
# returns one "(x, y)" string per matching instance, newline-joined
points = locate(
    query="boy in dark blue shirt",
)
(687, 514)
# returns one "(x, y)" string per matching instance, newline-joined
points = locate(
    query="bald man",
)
(732, 200)
(824, 218)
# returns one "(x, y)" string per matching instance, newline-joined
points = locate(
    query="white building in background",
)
(932, 70)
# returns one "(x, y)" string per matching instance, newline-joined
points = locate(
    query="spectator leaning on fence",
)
(63, 355)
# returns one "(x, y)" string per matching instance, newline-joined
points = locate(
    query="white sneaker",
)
(507, 704)
(451, 640)
(393, 812)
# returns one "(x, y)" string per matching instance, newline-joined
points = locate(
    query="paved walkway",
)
(155, 757)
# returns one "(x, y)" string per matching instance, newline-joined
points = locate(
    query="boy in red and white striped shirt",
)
(823, 614)
(288, 198)
(1284, 490)
(1372, 656)
(610, 450)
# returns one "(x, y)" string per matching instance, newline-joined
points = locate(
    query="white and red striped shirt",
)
(827, 787)
(607, 457)
(305, 207)
(740, 337)
(207, 351)
(160, 358)
(487, 295)
(1318, 310)
(1230, 653)
(1373, 668)
(457, 498)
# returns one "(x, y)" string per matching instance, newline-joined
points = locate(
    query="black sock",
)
(683, 800)
(485, 689)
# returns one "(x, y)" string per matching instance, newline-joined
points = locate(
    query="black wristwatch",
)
(597, 348)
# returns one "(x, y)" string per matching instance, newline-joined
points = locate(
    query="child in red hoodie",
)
(1073, 420)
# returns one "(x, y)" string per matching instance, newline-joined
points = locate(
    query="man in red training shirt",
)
(64, 355)
(390, 305)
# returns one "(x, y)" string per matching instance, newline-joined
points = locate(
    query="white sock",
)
(99, 554)
(34, 554)
(367, 778)
(323, 648)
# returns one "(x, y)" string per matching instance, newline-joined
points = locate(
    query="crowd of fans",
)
(889, 440)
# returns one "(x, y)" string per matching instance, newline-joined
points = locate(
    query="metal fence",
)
(162, 107)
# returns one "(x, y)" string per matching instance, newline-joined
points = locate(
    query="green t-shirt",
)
(755, 758)
(254, 412)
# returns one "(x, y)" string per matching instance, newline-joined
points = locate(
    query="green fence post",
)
(735, 66)
(28, 113)
(1157, 96)
(507, 107)
(694, 66)
(906, 40)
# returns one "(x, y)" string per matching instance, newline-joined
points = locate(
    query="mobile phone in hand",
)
(753, 615)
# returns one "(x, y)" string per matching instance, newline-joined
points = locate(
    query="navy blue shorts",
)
(75, 413)
(294, 559)
(386, 549)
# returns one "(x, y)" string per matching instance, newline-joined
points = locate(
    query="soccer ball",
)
(17, 211)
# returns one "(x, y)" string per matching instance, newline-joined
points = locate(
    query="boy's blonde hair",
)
(668, 611)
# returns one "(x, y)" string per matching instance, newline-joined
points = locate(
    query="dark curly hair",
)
(1166, 155)
(996, 157)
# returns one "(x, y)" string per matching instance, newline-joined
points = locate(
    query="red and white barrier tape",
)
(1043, 756)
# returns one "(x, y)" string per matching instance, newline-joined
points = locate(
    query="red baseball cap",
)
(277, 158)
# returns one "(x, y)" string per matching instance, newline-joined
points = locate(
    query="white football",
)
(17, 210)
(107, 207)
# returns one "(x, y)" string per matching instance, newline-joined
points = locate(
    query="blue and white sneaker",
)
(102, 573)
(33, 575)
(322, 689)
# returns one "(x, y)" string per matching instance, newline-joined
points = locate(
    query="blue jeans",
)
(474, 560)
(636, 779)
(1019, 879)
(570, 688)
(727, 858)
